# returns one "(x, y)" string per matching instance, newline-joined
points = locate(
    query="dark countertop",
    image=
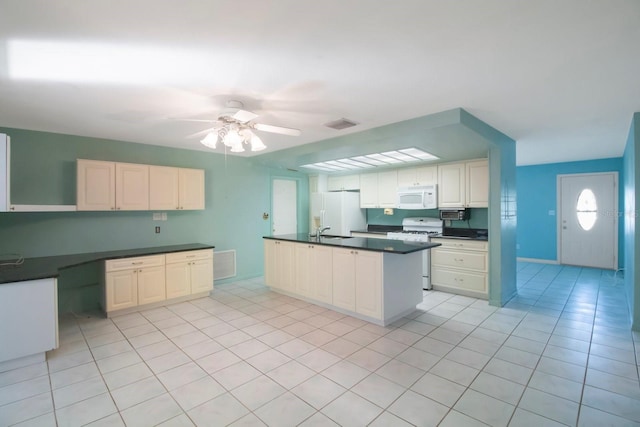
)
(361, 243)
(45, 267)
(480, 239)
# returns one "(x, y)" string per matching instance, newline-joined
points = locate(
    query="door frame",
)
(615, 213)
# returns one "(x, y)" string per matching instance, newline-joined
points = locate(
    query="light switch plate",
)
(157, 216)
(164, 216)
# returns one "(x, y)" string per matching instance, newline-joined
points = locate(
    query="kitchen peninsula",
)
(378, 280)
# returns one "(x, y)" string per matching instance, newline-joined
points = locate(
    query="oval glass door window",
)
(587, 209)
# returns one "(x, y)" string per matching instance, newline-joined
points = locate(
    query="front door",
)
(588, 221)
(284, 207)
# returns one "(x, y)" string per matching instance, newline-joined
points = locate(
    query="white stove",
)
(419, 229)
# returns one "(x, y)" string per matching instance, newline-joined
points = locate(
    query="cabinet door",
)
(344, 277)
(387, 189)
(151, 285)
(178, 279)
(132, 187)
(96, 186)
(427, 175)
(451, 186)
(322, 275)
(163, 188)
(478, 184)
(191, 193)
(201, 275)
(369, 190)
(407, 177)
(121, 289)
(368, 269)
(285, 266)
(304, 269)
(270, 263)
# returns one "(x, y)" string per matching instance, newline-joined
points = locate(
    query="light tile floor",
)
(560, 353)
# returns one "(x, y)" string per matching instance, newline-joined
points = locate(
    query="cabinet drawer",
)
(460, 259)
(137, 262)
(189, 255)
(469, 245)
(459, 279)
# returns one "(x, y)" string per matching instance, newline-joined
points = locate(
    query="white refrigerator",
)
(339, 210)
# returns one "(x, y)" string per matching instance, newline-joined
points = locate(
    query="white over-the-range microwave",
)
(418, 197)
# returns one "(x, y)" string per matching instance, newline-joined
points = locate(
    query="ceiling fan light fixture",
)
(232, 139)
(256, 143)
(237, 148)
(211, 140)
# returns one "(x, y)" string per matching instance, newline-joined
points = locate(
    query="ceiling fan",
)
(234, 128)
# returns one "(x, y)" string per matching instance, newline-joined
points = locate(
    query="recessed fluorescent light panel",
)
(387, 158)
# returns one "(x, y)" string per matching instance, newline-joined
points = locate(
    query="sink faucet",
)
(321, 230)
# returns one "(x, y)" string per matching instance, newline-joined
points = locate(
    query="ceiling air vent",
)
(340, 124)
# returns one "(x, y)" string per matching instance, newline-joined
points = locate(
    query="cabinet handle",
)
(459, 259)
(137, 263)
(191, 256)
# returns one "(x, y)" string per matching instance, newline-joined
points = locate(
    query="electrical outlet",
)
(164, 216)
(157, 230)
(157, 216)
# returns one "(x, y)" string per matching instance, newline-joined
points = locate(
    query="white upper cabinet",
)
(477, 184)
(132, 187)
(176, 188)
(191, 184)
(464, 185)
(163, 188)
(387, 189)
(103, 186)
(369, 190)
(96, 181)
(343, 183)
(379, 190)
(451, 185)
(422, 175)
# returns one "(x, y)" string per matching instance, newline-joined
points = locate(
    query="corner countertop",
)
(46, 267)
(361, 243)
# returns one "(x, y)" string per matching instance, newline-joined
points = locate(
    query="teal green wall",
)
(631, 182)
(238, 192)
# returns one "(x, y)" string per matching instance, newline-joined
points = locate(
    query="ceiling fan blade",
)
(244, 116)
(277, 129)
(192, 120)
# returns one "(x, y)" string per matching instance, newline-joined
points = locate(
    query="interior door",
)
(284, 207)
(588, 222)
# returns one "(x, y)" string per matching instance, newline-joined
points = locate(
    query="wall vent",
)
(340, 124)
(224, 264)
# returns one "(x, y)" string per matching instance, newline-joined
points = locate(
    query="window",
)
(587, 209)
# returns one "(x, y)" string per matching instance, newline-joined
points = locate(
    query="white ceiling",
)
(559, 77)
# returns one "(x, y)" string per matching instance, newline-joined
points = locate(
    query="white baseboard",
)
(537, 260)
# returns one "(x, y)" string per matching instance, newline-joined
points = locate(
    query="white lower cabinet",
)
(375, 286)
(357, 281)
(137, 281)
(280, 264)
(189, 272)
(127, 280)
(460, 266)
(313, 270)
(28, 319)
